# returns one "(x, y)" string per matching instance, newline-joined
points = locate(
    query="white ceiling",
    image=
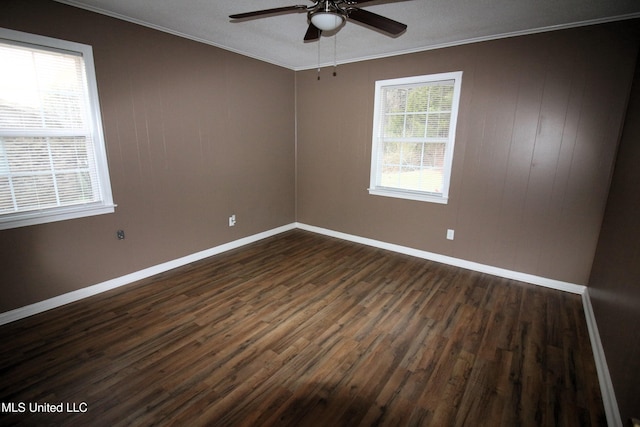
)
(431, 24)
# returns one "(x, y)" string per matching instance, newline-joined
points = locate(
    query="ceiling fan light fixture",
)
(327, 21)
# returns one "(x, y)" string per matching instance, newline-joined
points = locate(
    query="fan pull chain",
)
(335, 56)
(335, 50)
(318, 58)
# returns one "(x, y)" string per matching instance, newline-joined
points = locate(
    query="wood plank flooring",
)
(303, 330)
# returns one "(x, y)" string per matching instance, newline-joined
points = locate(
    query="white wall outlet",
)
(232, 220)
(450, 233)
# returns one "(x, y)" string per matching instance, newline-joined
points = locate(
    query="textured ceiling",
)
(431, 24)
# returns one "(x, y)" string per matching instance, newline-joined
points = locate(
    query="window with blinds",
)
(414, 135)
(52, 155)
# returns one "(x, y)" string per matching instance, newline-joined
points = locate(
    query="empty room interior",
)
(357, 228)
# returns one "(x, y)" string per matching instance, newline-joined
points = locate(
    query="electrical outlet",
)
(450, 233)
(120, 234)
(232, 220)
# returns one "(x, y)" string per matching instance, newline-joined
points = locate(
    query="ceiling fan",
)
(329, 15)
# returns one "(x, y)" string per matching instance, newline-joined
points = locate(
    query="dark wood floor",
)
(302, 329)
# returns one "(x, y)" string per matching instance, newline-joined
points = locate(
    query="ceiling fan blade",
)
(377, 21)
(313, 33)
(285, 9)
(353, 2)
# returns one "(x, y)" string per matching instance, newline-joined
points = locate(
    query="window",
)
(414, 129)
(53, 162)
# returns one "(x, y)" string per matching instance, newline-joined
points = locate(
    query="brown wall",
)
(537, 133)
(193, 135)
(615, 279)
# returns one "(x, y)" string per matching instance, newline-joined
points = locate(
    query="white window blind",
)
(413, 136)
(52, 157)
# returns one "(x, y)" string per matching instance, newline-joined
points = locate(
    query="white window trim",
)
(21, 219)
(378, 190)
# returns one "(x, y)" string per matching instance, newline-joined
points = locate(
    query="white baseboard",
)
(60, 300)
(39, 307)
(469, 265)
(606, 386)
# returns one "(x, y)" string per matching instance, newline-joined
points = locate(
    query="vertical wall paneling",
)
(539, 124)
(193, 135)
(614, 286)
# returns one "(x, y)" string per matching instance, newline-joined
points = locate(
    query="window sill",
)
(24, 219)
(409, 195)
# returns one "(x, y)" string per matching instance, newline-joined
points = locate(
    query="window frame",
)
(377, 143)
(105, 203)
